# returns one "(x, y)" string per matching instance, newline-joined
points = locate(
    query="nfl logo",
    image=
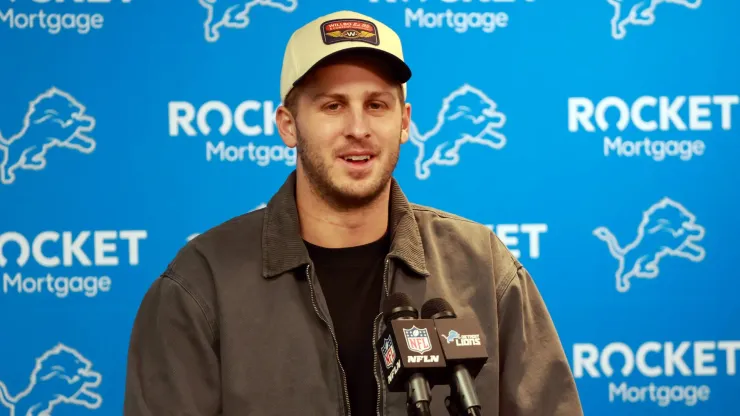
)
(389, 353)
(417, 339)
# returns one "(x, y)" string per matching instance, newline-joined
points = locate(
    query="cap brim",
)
(397, 69)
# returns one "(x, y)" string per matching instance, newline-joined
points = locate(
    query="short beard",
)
(318, 176)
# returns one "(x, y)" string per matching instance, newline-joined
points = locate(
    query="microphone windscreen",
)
(398, 305)
(436, 306)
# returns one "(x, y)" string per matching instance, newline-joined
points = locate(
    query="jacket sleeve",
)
(536, 379)
(173, 366)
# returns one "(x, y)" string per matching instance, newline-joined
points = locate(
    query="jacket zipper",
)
(375, 352)
(336, 344)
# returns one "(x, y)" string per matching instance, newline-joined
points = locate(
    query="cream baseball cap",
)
(338, 32)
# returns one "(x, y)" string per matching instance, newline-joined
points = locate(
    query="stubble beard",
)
(341, 198)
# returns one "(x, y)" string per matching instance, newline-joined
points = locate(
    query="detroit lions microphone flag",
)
(598, 139)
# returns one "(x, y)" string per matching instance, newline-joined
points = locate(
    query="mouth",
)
(357, 158)
(358, 162)
(491, 133)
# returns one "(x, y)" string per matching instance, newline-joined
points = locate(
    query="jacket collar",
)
(282, 244)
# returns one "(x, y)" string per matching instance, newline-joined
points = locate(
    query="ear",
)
(405, 123)
(286, 126)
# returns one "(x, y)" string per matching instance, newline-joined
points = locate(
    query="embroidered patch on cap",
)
(349, 30)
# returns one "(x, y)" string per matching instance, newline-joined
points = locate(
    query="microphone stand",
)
(454, 408)
(418, 397)
(421, 409)
(452, 403)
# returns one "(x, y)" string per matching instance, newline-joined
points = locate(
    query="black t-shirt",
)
(352, 280)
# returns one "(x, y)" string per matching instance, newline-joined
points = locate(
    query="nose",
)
(357, 124)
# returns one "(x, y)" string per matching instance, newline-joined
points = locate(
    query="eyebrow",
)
(337, 96)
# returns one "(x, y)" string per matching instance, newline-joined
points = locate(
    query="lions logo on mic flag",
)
(389, 353)
(417, 339)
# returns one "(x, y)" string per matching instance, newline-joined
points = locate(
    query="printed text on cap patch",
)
(349, 30)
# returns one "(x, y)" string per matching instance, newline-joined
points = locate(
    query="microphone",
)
(464, 347)
(412, 354)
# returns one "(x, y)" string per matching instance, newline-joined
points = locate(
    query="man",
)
(277, 312)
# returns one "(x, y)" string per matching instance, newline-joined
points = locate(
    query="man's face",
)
(349, 127)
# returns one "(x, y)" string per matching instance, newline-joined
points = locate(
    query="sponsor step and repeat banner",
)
(598, 139)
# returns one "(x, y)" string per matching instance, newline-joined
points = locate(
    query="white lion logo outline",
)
(667, 229)
(220, 14)
(639, 13)
(61, 375)
(467, 115)
(54, 119)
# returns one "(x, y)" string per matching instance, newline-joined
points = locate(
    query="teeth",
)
(357, 158)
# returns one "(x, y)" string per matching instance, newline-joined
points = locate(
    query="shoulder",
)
(443, 224)
(430, 213)
(454, 235)
(233, 237)
(449, 227)
(226, 246)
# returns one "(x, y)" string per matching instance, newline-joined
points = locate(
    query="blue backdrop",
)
(600, 142)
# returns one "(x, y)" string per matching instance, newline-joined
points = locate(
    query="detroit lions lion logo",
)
(667, 229)
(54, 119)
(234, 14)
(467, 116)
(61, 375)
(640, 13)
